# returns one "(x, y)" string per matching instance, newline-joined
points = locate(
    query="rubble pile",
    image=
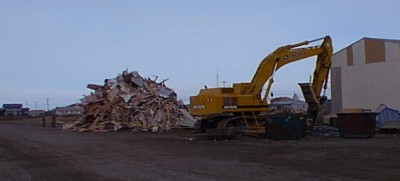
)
(130, 101)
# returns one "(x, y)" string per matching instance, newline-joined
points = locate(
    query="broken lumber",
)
(131, 102)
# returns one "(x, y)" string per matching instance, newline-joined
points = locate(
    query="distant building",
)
(2, 111)
(366, 74)
(35, 113)
(288, 104)
(14, 110)
(74, 109)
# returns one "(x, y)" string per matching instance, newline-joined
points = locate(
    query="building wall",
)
(35, 113)
(336, 89)
(358, 50)
(299, 106)
(64, 111)
(392, 52)
(13, 112)
(68, 112)
(369, 79)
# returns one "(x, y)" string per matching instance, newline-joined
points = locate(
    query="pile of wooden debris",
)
(130, 101)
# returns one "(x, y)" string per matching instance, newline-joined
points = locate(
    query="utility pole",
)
(224, 82)
(35, 105)
(217, 77)
(47, 102)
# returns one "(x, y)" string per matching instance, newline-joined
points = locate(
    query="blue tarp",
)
(386, 114)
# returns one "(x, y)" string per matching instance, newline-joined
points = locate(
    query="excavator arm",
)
(288, 54)
(322, 67)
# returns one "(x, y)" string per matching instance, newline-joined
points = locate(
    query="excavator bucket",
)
(309, 94)
(315, 106)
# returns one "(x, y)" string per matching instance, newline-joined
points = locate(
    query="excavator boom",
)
(288, 54)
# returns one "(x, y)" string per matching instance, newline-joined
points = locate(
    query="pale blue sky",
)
(53, 49)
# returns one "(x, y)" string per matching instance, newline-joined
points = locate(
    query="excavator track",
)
(209, 122)
(226, 127)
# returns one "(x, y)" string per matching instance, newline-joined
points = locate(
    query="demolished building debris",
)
(130, 101)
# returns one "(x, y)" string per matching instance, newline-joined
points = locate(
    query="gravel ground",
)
(31, 152)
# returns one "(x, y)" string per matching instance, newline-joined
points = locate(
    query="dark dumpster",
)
(353, 125)
(287, 126)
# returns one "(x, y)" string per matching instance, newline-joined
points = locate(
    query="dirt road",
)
(31, 152)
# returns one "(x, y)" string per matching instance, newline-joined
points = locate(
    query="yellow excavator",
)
(242, 106)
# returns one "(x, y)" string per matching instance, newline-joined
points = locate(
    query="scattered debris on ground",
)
(132, 102)
(325, 131)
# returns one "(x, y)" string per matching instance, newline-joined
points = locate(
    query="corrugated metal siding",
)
(371, 85)
(359, 53)
(349, 56)
(374, 51)
(339, 59)
(336, 89)
(392, 51)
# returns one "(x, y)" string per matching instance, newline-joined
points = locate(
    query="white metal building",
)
(74, 109)
(287, 103)
(366, 74)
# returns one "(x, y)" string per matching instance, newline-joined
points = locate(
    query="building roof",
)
(382, 39)
(11, 106)
(36, 110)
(281, 99)
(70, 108)
(383, 107)
(75, 105)
(369, 38)
(283, 103)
